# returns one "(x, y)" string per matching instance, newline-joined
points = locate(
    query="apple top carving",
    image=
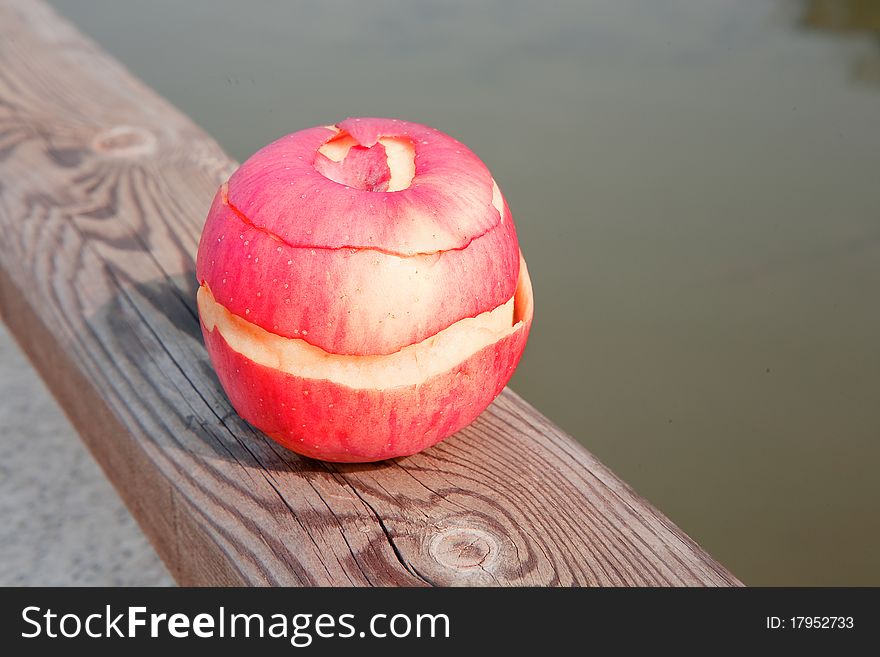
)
(361, 238)
(447, 201)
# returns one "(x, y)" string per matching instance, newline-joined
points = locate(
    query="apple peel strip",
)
(411, 365)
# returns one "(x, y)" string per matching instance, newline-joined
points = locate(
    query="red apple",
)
(362, 293)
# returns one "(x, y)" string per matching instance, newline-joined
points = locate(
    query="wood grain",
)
(103, 190)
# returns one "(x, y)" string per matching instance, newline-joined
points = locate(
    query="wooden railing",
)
(103, 190)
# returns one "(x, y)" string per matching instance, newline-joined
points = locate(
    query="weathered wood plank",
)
(103, 190)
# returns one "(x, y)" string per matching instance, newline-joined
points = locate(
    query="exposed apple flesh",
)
(412, 365)
(362, 293)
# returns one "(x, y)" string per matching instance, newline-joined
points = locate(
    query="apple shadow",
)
(151, 336)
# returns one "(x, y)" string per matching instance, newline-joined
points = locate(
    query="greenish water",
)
(696, 186)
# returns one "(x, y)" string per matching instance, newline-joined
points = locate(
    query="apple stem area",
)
(104, 189)
(386, 166)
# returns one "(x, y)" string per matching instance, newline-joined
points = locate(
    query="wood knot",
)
(124, 141)
(464, 548)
